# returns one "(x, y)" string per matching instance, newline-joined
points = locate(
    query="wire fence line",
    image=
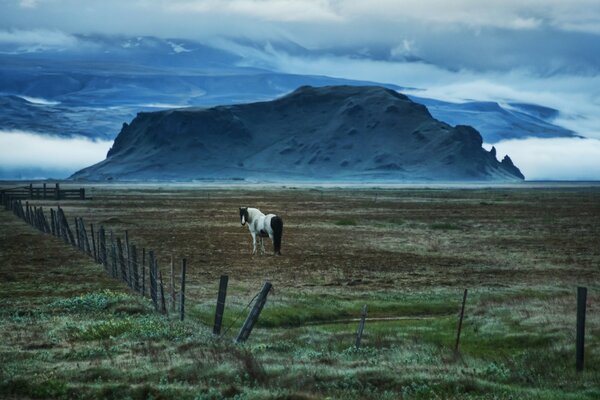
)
(122, 260)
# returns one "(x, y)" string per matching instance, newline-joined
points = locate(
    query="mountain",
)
(498, 122)
(314, 133)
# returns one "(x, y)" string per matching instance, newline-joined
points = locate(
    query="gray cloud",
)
(548, 37)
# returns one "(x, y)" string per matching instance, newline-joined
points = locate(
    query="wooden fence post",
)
(113, 253)
(134, 261)
(143, 271)
(182, 291)
(44, 191)
(361, 326)
(31, 190)
(460, 321)
(57, 191)
(128, 249)
(163, 306)
(121, 260)
(151, 264)
(254, 314)
(173, 294)
(77, 234)
(81, 194)
(95, 253)
(102, 247)
(580, 343)
(86, 240)
(220, 304)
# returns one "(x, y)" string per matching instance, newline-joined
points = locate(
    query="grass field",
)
(70, 331)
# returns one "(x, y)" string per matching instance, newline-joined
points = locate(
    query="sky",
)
(540, 51)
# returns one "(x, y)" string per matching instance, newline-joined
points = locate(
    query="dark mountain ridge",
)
(326, 133)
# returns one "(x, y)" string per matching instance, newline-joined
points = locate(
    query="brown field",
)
(406, 252)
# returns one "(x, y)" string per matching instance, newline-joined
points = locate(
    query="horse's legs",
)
(253, 243)
(271, 237)
(262, 245)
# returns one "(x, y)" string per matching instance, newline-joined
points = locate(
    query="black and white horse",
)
(269, 225)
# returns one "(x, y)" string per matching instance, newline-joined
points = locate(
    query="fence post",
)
(31, 190)
(220, 304)
(460, 321)
(113, 253)
(121, 260)
(173, 294)
(78, 234)
(128, 249)
(143, 271)
(102, 247)
(580, 344)
(86, 240)
(254, 313)
(182, 291)
(134, 261)
(95, 253)
(82, 194)
(44, 191)
(57, 191)
(361, 326)
(151, 264)
(163, 306)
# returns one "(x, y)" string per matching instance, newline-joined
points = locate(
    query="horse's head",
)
(243, 215)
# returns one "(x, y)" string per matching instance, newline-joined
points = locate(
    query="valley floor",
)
(71, 331)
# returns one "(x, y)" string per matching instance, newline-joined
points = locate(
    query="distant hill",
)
(324, 133)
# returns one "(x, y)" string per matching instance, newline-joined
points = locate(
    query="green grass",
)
(345, 222)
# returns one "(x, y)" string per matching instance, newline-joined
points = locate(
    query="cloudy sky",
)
(540, 51)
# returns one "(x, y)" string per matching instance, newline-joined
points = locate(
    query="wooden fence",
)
(41, 193)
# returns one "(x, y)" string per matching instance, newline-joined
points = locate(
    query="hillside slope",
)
(333, 132)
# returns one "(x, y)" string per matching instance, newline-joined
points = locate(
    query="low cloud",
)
(36, 40)
(24, 151)
(566, 159)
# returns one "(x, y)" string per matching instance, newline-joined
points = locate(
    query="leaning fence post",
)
(95, 252)
(361, 326)
(580, 343)
(182, 291)
(220, 304)
(254, 313)
(86, 241)
(460, 321)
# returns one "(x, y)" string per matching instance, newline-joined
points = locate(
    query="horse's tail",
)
(277, 226)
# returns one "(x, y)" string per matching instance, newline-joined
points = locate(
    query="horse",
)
(269, 225)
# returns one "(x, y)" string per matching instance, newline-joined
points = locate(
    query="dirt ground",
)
(376, 238)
